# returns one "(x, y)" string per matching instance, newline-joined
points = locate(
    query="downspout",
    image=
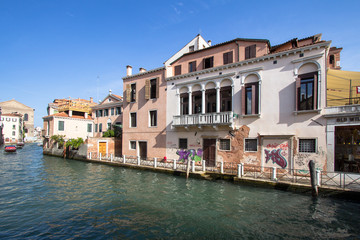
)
(238, 51)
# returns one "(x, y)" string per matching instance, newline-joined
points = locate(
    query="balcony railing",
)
(222, 118)
(347, 109)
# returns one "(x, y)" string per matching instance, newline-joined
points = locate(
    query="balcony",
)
(207, 119)
(342, 110)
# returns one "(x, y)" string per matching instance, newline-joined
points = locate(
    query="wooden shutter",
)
(212, 62)
(230, 57)
(157, 87)
(128, 90)
(147, 89)
(247, 52)
(315, 102)
(225, 58)
(243, 100)
(297, 93)
(252, 51)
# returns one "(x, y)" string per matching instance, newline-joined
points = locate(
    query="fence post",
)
(221, 167)
(318, 177)
(138, 160)
(89, 155)
(100, 156)
(124, 159)
(111, 157)
(239, 171)
(204, 165)
(155, 162)
(273, 174)
(174, 164)
(242, 169)
(193, 166)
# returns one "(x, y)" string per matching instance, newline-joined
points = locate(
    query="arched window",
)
(26, 117)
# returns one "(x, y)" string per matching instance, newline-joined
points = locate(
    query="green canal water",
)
(44, 197)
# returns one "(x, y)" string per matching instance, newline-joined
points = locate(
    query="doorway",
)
(102, 148)
(209, 152)
(143, 150)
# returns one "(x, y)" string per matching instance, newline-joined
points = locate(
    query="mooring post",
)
(89, 155)
(174, 167)
(155, 162)
(221, 167)
(111, 157)
(204, 165)
(242, 169)
(193, 166)
(314, 186)
(239, 171)
(318, 177)
(273, 174)
(124, 159)
(100, 156)
(187, 169)
(138, 160)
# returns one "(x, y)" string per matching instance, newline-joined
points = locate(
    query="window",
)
(210, 96)
(26, 130)
(332, 59)
(183, 143)
(14, 127)
(108, 125)
(106, 112)
(228, 57)
(61, 125)
(112, 111)
(100, 112)
(26, 117)
(306, 85)
(307, 145)
(208, 62)
(196, 102)
(177, 70)
(100, 127)
(153, 118)
(118, 110)
(13, 133)
(133, 145)
(250, 51)
(226, 99)
(250, 99)
(133, 93)
(184, 101)
(225, 144)
(250, 145)
(132, 119)
(89, 127)
(96, 127)
(192, 66)
(191, 48)
(153, 88)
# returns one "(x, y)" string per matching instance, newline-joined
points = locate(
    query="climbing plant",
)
(74, 143)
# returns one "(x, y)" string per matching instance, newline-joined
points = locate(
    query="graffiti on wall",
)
(194, 155)
(276, 157)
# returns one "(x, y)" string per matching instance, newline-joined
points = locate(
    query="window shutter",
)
(203, 63)
(243, 101)
(247, 52)
(297, 93)
(315, 102)
(230, 57)
(252, 51)
(253, 99)
(128, 90)
(212, 61)
(147, 89)
(157, 87)
(225, 58)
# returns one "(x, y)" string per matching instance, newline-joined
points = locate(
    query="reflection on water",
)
(44, 197)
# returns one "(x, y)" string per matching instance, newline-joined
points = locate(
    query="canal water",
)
(44, 197)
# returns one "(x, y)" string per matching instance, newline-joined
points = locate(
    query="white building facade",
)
(12, 127)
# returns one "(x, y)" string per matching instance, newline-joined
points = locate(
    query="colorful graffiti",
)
(192, 153)
(276, 157)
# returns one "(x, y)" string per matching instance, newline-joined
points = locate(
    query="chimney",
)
(91, 100)
(128, 70)
(209, 42)
(141, 70)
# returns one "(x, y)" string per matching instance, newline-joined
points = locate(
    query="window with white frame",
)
(251, 145)
(307, 145)
(153, 118)
(224, 144)
(133, 145)
(133, 119)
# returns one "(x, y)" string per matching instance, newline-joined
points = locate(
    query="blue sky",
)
(80, 48)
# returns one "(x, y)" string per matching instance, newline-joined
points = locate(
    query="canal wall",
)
(79, 154)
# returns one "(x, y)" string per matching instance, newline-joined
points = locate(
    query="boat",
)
(10, 148)
(20, 144)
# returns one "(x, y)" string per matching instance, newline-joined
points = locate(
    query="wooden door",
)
(102, 148)
(143, 150)
(209, 152)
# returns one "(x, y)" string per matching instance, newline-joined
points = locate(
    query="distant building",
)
(13, 106)
(107, 114)
(12, 125)
(70, 117)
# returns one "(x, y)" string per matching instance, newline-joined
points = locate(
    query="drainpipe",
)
(238, 51)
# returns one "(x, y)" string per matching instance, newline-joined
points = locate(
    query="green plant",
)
(74, 143)
(58, 139)
(109, 133)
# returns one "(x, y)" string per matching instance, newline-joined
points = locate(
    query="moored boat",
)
(20, 144)
(10, 148)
